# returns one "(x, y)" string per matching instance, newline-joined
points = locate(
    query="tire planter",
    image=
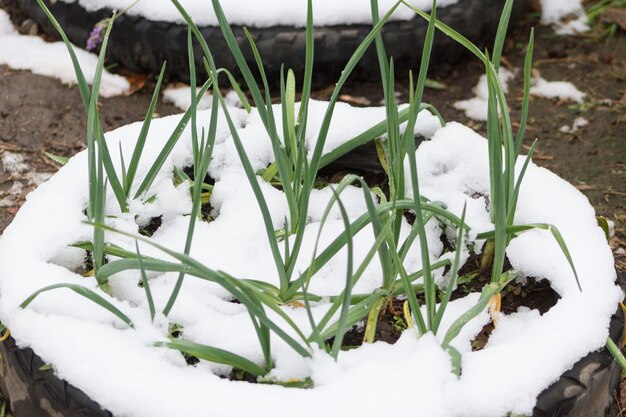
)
(583, 391)
(142, 45)
(38, 239)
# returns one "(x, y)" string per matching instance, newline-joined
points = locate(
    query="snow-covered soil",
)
(32, 53)
(107, 360)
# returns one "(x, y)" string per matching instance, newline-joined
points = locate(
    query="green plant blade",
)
(355, 314)
(503, 25)
(143, 134)
(168, 147)
(454, 274)
(238, 288)
(528, 64)
(516, 229)
(616, 352)
(108, 249)
(85, 292)
(343, 314)
(213, 354)
(488, 291)
(145, 283)
(56, 158)
(518, 184)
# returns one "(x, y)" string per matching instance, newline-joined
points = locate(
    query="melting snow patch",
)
(476, 108)
(578, 123)
(563, 90)
(180, 96)
(22, 52)
(13, 162)
(565, 16)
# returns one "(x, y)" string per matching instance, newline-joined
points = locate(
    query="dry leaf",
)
(358, 100)
(137, 82)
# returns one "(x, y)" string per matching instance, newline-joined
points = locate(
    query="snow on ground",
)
(21, 175)
(93, 350)
(180, 96)
(578, 123)
(23, 52)
(566, 16)
(476, 108)
(563, 90)
(13, 162)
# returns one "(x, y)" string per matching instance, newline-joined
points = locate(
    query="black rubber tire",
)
(586, 389)
(583, 391)
(141, 45)
(33, 392)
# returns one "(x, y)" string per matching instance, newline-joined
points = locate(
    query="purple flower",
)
(97, 34)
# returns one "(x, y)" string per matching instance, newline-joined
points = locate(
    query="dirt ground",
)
(39, 114)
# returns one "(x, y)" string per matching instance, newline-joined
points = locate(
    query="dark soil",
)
(39, 114)
(391, 323)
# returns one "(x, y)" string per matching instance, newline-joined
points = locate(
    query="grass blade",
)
(85, 292)
(238, 288)
(501, 33)
(488, 291)
(143, 134)
(454, 274)
(616, 352)
(343, 315)
(528, 64)
(145, 283)
(213, 354)
(169, 146)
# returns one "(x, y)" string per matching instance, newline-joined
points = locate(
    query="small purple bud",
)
(96, 35)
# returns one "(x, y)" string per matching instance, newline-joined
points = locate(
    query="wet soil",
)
(39, 114)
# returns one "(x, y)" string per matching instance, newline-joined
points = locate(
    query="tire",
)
(583, 391)
(586, 389)
(141, 45)
(34, 392)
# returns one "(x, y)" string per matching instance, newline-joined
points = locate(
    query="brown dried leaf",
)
(137, 82)
(356, 100)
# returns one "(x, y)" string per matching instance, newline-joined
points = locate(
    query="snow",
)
(94, 351)
(255, 13)
(23, 52)
(566, 16)
(578, 123)
(180, 96)
(476, 108)
(325, 12)
(21, 175)
(13, 162)
(563, 90)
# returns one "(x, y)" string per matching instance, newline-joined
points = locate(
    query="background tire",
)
(141, 45)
